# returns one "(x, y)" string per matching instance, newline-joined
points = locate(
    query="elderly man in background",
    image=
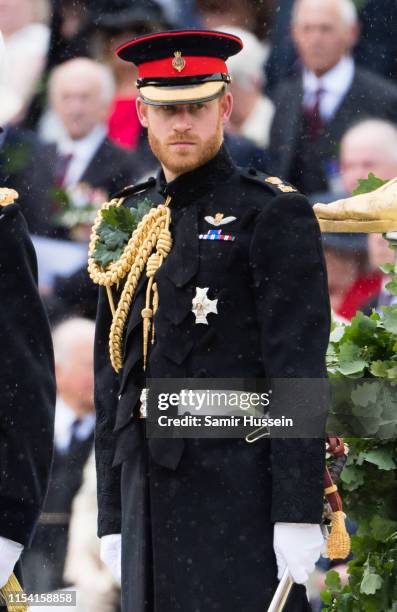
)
(371, 146)
(81, 91)
(89, 168)
(74, 433)
(252, 111)
(314, 110)
(353, 260)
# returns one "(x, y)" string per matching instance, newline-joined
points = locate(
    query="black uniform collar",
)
(197, 182)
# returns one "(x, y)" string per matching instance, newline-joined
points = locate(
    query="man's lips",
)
(182, 142)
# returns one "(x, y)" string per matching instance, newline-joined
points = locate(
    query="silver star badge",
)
(202, 306)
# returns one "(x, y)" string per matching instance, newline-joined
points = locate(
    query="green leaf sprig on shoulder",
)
(117, 225)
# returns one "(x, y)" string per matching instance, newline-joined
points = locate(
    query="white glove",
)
(111, 554)
(297, 546)
(10, 552)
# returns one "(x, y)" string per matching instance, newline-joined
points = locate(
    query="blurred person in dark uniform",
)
(27, 383)
(28, 166)
(28, 389)
(74, 435)
(239, 291)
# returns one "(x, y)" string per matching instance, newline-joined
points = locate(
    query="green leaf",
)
(352, 477)
(382, 528)
(391, 286)
(370, 583)
(103, 256)
(351, 360)
(326, 597)
(333, 581)
(390, 319)
(369, 184)
(119, 217)
(379, 368)
(337, 334)
(365, 394)
(117, 225)
(387, 268)
(381, 457)
(60, 196)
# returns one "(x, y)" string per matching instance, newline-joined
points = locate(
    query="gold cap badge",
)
(178, 62)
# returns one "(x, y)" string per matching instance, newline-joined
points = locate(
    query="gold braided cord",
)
(151, 233)
(13, 588)
(117, 270)
(163, 247)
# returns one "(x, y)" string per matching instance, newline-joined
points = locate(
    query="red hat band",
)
(182, 66)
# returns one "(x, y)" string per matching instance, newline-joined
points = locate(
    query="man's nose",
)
(182, 122)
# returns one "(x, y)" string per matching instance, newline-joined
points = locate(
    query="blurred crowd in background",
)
(315, 103)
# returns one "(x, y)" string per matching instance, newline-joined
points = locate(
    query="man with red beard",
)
(224, 278)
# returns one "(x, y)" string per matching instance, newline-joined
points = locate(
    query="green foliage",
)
(369, 184)
(115, 230)
(362, 362)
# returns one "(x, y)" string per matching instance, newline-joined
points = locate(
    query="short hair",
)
(65, 334)
(378, 129)
(348, 11)
(104, 74)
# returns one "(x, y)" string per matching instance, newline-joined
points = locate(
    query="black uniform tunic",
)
(197, 515)
(27, 382)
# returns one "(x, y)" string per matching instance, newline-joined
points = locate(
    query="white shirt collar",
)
(82, 151)
(335, 84)
(64, 419)
(338, 80)
(68, 146)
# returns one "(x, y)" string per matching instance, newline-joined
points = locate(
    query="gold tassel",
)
(338, 544)
(155, 306)
(110, 299)
(13, 587)
(147, 314)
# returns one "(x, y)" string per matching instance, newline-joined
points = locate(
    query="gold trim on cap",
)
(180, 95)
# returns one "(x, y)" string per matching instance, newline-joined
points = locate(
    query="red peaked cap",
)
(181, 65)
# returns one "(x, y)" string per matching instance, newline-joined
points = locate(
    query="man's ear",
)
(226, 106)
(142, 111)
